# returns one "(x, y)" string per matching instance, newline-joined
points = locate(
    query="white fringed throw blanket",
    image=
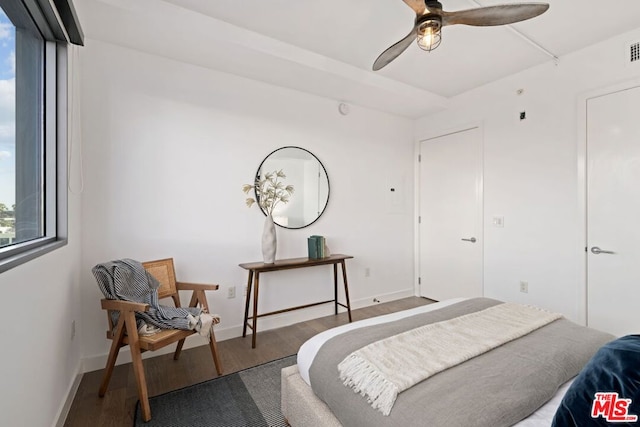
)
(381, 370)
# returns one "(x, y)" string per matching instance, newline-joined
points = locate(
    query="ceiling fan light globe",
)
(429, 35)
(429, 41)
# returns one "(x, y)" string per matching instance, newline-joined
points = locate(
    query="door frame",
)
(582, 243)
(416, 196)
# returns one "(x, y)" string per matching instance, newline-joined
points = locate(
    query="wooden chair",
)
(126, 332)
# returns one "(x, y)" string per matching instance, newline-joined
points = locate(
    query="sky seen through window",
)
(7, 111)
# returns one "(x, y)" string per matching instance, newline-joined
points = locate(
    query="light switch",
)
(498, 221)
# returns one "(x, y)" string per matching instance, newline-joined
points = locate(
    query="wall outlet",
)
(376, 300)
(231, 292)
(524, 287)
(73, 330)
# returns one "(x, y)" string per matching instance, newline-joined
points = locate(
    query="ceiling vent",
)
(633, 53)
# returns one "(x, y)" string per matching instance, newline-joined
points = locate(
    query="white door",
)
(613, 212)
(451, 216)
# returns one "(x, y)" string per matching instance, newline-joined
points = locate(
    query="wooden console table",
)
(255, 268)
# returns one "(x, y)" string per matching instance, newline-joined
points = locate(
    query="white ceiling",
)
(328, 47)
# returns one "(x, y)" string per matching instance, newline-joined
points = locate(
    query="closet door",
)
(613, 212)
(451, 216)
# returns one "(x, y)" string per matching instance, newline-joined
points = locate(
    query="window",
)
(33, 118)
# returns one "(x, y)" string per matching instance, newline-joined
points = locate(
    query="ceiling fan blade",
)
(417, 6)
(494, 15)
(394, 51)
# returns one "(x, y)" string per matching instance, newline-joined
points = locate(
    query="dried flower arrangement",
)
(270, 191)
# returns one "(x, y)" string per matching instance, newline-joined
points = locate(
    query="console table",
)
(255, 268)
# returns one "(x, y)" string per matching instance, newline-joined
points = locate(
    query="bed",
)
(520, 382)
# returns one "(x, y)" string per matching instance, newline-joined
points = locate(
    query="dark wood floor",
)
(164, 374)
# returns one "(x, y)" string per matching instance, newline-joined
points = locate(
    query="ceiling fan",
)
(430, 18)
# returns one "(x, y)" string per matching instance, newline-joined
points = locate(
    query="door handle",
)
(597, 251)
(472, 240)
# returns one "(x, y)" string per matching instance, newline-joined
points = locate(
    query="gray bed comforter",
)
(498, 388)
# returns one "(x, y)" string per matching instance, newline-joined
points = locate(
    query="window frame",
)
(56, 29)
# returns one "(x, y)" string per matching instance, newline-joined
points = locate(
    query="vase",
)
(269, 242)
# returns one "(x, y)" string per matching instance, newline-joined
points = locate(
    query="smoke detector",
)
(343, 108)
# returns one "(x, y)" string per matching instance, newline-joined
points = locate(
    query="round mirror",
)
(310, 184)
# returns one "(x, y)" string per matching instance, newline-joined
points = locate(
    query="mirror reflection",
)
(310, 182)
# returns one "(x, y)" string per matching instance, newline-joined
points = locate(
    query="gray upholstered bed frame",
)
(300, 406)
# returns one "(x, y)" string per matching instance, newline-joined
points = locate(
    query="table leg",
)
(335, 287)
(346, 287)
(255, 310)
(246, 304)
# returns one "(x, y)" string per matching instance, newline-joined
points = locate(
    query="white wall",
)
(531, 172)
(167, 148)
(40, 361)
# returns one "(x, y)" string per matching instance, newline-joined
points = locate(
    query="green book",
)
(313, 247)
(319, 240)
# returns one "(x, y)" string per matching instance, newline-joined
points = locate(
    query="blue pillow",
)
(614, 373)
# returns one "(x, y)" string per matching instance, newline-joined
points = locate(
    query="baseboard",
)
(94, 363)
(71, 394)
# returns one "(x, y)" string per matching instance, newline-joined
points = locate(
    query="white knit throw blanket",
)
(381, 370)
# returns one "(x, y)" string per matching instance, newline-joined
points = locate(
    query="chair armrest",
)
(114, 304)
(197, 297)
(183, 286)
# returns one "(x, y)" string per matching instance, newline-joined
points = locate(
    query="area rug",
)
(249, 398)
